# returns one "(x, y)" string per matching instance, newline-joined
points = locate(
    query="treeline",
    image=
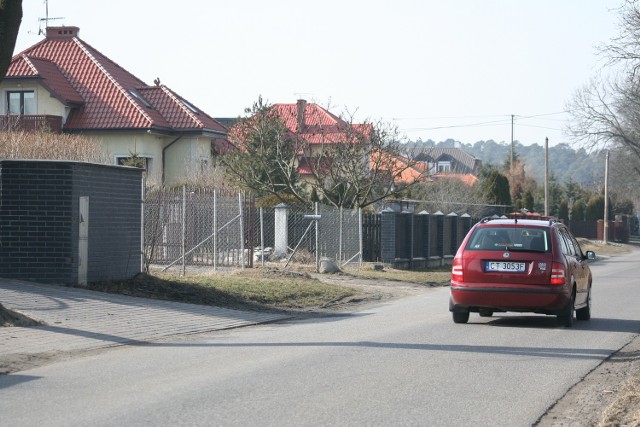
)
(566, 164)
(576, 184)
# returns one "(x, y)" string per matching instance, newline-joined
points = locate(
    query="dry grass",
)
(439, 275)
(601, 248)
(252, 289)
(625, 410)
(51, 146)
(13, 318)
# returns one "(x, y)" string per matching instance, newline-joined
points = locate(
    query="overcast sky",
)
(438, 69)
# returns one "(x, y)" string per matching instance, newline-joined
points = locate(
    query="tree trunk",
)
(10, 19)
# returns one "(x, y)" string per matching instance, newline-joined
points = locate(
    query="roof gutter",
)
(164, 150)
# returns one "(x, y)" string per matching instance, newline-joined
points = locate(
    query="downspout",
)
(163, 155)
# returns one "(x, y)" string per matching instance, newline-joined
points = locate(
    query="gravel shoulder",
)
(610, 394)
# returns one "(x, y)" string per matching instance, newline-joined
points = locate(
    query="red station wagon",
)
(521, 265)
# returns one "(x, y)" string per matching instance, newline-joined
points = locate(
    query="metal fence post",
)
(184, 228)
(340, 235)
(143, 192)
(241, 219)
(316, 211)
(360, 236)
(215, 230)
(262, 236)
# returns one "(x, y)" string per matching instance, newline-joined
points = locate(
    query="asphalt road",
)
(400, 363)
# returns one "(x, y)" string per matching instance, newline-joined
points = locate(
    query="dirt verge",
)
(608, 396)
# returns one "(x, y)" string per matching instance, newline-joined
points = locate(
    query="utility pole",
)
(606, 199)
(546, 177)
(511, 160)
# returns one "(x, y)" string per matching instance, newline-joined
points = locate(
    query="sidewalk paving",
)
(79, 319)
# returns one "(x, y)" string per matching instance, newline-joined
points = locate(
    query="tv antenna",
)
(46, 19)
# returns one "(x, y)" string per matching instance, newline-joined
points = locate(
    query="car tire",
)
(584, 313)
(565, 317)
(460, 316)
(485, 313)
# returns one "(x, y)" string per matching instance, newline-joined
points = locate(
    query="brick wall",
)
(39, 217)
(35, 221)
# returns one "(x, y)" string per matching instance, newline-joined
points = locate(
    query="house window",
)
(189, 106)
(139, 97)
(135, 161)
(21, 102)
(444, 167)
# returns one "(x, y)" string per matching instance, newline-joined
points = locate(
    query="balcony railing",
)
(31, 123)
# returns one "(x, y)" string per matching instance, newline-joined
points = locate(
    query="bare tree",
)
(10, 19)
(605, 115)
(265, 160)
(625, 48)
(348, 164)
(365, 164)
(605, 112)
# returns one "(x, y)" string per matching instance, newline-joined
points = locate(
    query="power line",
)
(507, 120)
(506, 116)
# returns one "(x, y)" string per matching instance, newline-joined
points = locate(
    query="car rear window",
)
(510, 238)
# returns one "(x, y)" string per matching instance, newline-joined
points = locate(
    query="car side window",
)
(576, 245)
(563, 243)
(567, 244)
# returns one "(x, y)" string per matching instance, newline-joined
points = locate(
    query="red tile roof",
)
(51, 76)
(316, 125)
(112, 97)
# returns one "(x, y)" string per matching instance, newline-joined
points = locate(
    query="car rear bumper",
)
(509, 298)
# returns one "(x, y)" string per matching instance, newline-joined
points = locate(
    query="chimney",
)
(302, 106)
(62, 32)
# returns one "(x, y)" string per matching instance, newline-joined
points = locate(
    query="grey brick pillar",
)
(281, 230)
(439, 233)
(388, 236)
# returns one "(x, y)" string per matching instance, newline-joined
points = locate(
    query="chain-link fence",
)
(194, 227)
(187, 227)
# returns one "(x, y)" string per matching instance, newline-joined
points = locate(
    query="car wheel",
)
(485, 313)
(565, 317)
(584, 313)
(460, 316)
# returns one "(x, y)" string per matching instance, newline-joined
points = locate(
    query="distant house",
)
(450, 161)
(65, 85)
(318, 127)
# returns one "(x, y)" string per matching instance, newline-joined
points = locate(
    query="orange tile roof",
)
(111, 97)
(402, 169)
(466, 178)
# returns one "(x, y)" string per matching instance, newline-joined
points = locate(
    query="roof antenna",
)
(46, 19)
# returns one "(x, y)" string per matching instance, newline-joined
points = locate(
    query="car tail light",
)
(558, 274)
(456, 270)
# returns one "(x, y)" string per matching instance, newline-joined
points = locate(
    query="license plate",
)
(505, 266)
